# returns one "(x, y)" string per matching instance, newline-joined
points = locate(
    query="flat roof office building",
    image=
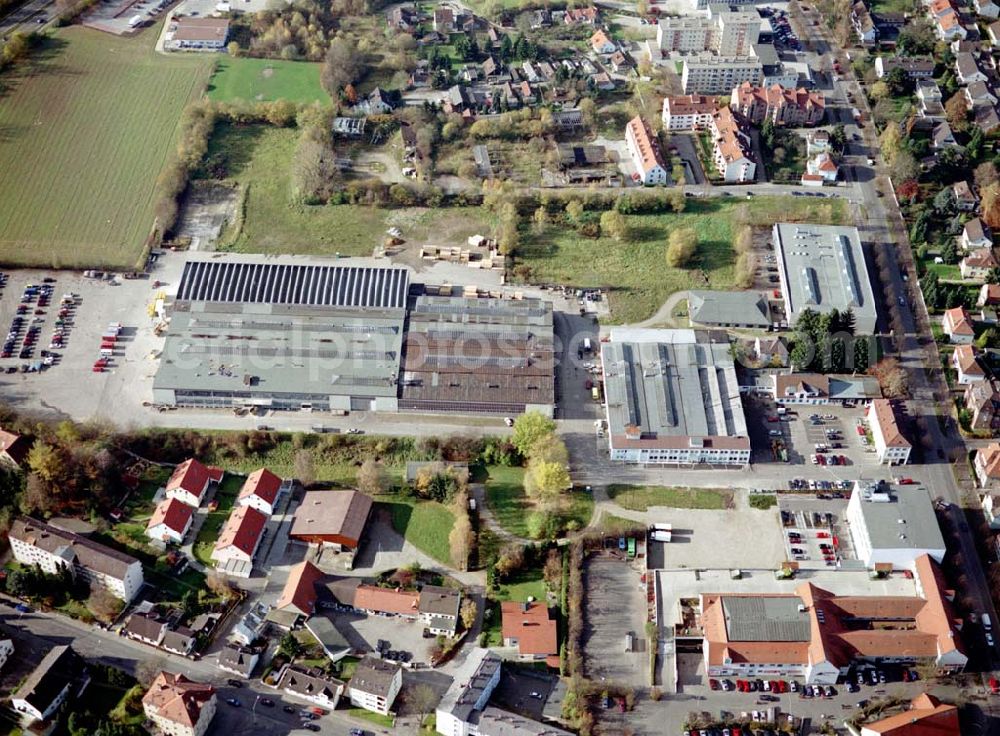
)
(672, 397)
(822, 268)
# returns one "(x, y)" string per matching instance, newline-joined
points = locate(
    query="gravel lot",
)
(615, 605)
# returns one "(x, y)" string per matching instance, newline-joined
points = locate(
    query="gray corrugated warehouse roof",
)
(729, 308)
(822, 267)
(762, 618)
(671, 383)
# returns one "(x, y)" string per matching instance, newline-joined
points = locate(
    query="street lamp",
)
(253, 710)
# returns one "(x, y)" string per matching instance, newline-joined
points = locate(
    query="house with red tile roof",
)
(779, 105)
(927, 716)
(978, 264)
(601, 44)
(261, 490)
(987, 466)
(170, 521)
(299, 595)
(238, 543)
(957, 325)
(818, 635)
(191, 480)
(644, 148)
(13, 448)
(967, 367)
(733, 154)
(528, 627)
(587, 16)
(891, 447)
(179, 706)
(372, 599)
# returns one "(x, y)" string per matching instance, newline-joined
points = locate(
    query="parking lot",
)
(365, 632)
(817, 522)
(825, 437)
(616, 605)
(70, 386)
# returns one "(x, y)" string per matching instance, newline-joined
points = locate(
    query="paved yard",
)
(718, 539)
(818, 521)
(363, 632)
(616, 605)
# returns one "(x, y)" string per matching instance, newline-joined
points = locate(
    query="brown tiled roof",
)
(691, 104)
(981, 258)
(927, 716)
(177, 698)
(958, 322)
(729, 137)
(991, 459)
(88, 553)
(172, 513)
(530, 624)
(14, 445)
(144, 627)
(599, 40)
(965, 357)
(262, 483)
(887, 422)
(310, 682)
(990, 293)
(332, 513)
(649, 147)
(800, 383)
(720, 648)
(300, 589)
(242, 530)
(386, 600)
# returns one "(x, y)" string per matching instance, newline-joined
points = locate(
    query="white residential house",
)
(967, 69)
(979, 94)
(190, 482)
(179, 706)
(967, 368)
(239, 541)
(261, 491)
(375, 685)
(688, 112)
(987, 466)
(823, 166)
(957, 325)
(170, 521)
(977, 264)
(965, 199)
(311, 685)
(34, 542)
(942, 137)
(59, 675)
(991, 509)
(975, 234)
(644, 148)
(817, 141)
(891, 447)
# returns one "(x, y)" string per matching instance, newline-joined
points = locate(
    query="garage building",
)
(335, 519)
(284, 333)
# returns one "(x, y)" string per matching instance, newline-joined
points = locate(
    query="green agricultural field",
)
(640, 498)
(266, 80)
(258, 159)
(559, 254)
(85, 128)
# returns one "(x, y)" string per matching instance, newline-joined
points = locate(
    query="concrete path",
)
(664, 315)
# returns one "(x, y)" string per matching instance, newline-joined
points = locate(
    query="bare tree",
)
(103, 605)
(422, 699)
(305, 467)
(147, 670)
(372, 478)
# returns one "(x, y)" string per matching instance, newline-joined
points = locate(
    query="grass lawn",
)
(85, 127)
(366, 715)
(511, 507)
(612, 524)
(266, 80)
(521, 585)
(258, 158)
(560, 255)
(639, 498)
(225, 495)
(944, 271)
(425, 524)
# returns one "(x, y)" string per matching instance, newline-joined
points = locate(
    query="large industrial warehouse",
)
(478, 355)
(822, 268)
(673, 398)
(284, 333)
(340, 335)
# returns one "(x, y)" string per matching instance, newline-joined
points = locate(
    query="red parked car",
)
(994, 685)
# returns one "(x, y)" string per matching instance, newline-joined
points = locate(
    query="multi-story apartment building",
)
(779, 105)
(733, 155)
(708, 74)
(644, 148)
(891, 447)
(688, 112)
(34, 542)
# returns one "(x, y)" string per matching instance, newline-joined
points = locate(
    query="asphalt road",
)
(26, 14)
(42, 631)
